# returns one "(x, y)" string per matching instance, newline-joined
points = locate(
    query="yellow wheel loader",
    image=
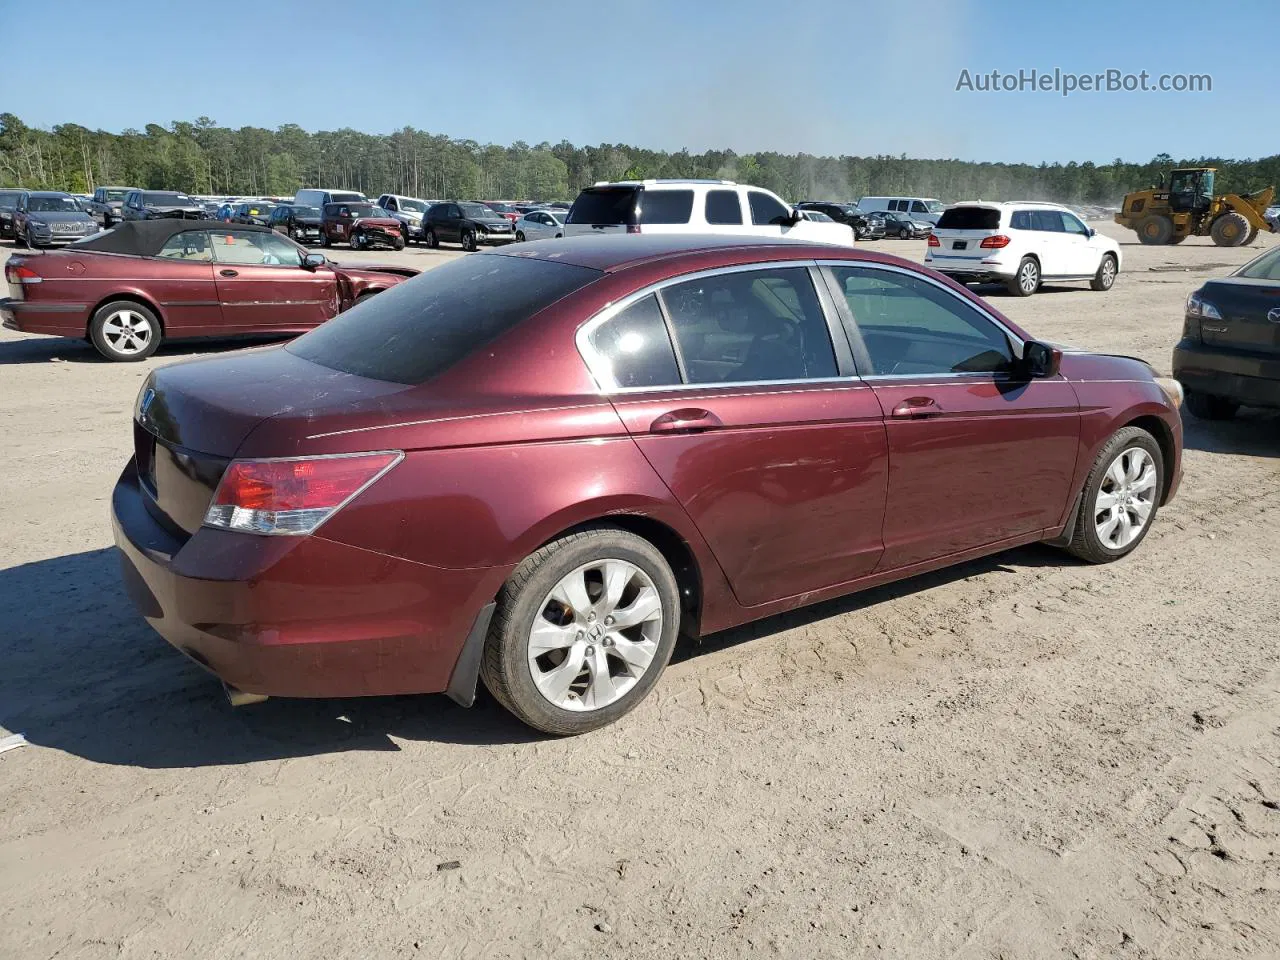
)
(1188, 208)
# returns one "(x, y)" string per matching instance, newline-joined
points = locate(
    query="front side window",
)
(918, 207)
(53, 205)
(911, 326)
(168, 199)
(191, 245)
(637, 347)
(666, 206)
(1072, 224)
(723, 207)
(767, 210)
(264, 249)
(748, 326)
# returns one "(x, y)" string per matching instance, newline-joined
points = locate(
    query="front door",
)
(777, 455)
(1084, 255)
(977, 453)
(263, 286)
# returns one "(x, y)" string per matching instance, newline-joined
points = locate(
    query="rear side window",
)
(666, 206)
(970, 218)
(723, 207)
(637, 346)
(420, 328)
(749, 326)
(612, 206)
(1050, 221)
(766, 209)
(1021, 220)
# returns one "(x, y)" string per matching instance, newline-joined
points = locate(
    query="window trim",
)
(599, 368)
(854, 332)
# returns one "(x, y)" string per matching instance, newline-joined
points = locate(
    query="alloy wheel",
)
(1029, 277)
(595, 635)
(127, 332)
(1108, 272)
(1125, 498)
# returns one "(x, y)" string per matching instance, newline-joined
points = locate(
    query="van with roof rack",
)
(693, 206)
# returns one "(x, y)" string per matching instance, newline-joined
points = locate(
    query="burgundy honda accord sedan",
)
(537, 465)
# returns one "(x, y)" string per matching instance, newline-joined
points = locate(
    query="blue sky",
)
(818, 76)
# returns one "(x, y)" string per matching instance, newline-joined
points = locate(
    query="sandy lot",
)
(1021, 757)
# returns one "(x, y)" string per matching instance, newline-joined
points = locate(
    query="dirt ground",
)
(1022, 757)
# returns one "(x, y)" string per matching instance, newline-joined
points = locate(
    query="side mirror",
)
(796, 217)
(314, 261)
(1040, 360)
(1092, 232)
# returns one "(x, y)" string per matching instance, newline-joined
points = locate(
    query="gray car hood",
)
(58, 216)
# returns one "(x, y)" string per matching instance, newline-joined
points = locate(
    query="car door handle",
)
(915, 408)
(687, 420)
(228, 273)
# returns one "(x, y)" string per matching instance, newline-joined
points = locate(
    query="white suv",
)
(1020, 245)
(693, 206)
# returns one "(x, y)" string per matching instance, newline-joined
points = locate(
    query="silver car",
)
(541, 224)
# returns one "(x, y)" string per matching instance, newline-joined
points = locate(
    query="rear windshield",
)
(1266, 267)
(341, 196)
(604, 205)
(969, 218)
(168, 199)
(420, 328)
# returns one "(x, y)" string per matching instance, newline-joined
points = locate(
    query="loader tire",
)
(1229, 230)
(1155, 230)
(1253, 235)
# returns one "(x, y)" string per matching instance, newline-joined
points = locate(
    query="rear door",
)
(263, 286)
(602, 210)
(977, 454)
(736, 391)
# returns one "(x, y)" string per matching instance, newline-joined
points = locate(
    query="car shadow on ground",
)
(1252, 432)
(67, 350)
(84, 674)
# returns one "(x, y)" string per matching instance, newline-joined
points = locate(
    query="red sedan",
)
(618, 441)
(151, 280)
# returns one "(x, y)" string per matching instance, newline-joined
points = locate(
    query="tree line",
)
(202, 157)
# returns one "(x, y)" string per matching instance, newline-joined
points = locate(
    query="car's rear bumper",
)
(56, 319)
(1247, 378)
(299, 616)
(972, 269)
(495, 237)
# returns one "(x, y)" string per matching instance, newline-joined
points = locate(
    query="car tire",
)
(1229, 230)
(1155, 230)
(325, 241)
(1209, 406)
(355, 240)
(431, 239)
(1121, 497)
(19, 240)
(510, 663)
(398, 243)
(125, 331)
(904, 234)
(1026, 280)
(1105, 278)
(519, 236)
(469, 241)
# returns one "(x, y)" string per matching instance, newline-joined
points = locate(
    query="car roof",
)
(1007, 204)
(47, 193)
(613, 253)
(145, 238)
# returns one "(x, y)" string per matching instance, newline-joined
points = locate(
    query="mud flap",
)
(466, 672)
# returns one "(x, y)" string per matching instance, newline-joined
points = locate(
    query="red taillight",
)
(934, 241)
(994, 243)
(292, 496)
(633, 228)
(20, 273)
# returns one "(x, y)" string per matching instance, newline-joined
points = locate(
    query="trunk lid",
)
(192, 418)
(1250, 309)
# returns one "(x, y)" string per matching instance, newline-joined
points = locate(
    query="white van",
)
(917, 208)
(318, 198)
(693, 206)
